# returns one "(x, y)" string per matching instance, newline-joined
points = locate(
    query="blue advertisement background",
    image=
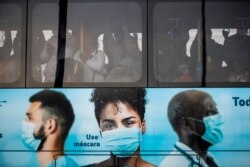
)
(234, 149)
(158, 139)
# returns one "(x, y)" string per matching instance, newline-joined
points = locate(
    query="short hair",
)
(182, 105)
(55, 104)
(134, 97)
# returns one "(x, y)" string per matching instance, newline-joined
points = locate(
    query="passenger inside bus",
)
(226, 35)
(88, 64)
(48, 56)
(105, 47)
(10, 46)
(127, 63)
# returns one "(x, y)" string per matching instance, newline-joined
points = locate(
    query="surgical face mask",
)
(28, 138)
(122, 142)
(213, 128)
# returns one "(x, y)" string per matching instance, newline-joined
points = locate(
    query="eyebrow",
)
(125, 119)
(28, 114)
(128, 118)
(107, 120)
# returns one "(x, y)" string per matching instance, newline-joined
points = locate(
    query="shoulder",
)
(175, 159)
(91, 165)
(105, 163)
(147, 164)
(63, 161)
(70, 162)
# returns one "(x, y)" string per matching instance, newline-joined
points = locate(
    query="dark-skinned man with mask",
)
(197, 123)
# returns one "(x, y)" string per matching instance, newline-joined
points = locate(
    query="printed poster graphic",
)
(85, 142)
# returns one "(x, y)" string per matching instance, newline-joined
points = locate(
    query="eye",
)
(211, 112)
(108, 126)
(129, 123)
(29, 118)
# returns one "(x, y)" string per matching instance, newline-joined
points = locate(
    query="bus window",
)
(43, 42)
(107, 42)
(10, 43)
(104, 44)
(174, 29)
(228, 41)
(178, 46)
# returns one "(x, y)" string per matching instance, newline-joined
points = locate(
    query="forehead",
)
(118, 112)
(201, 98)
(208, 101)
(33, 109)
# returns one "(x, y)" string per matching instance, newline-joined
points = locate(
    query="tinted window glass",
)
(104, 42)
(10, 42)
(175, 27)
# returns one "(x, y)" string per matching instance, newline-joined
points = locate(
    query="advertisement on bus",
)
(125, 127)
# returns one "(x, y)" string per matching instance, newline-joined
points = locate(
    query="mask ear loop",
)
(200, 121)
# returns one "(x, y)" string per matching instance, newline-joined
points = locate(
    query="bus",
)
(159, 47)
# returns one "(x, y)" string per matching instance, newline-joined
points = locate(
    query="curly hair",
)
(134, 97)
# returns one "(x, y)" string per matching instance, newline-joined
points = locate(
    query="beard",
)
(40, 134)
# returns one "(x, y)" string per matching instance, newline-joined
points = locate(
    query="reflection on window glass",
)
(10, 43)
(106, 42)
(228, 41)
(175, 27)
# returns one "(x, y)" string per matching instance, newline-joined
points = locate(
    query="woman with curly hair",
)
(120, 116)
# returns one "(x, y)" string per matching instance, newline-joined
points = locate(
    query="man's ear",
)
(143, 126)
(51, 126)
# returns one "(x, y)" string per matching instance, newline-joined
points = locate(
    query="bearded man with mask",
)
(120, 115)
(194, 117)
(46, 127)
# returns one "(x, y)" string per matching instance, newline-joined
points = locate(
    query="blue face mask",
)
(28, 137)
(213, 129)
(122, 142)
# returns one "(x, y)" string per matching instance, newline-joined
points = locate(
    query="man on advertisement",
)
(120, 116)
(46, 127)
(197, 123)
